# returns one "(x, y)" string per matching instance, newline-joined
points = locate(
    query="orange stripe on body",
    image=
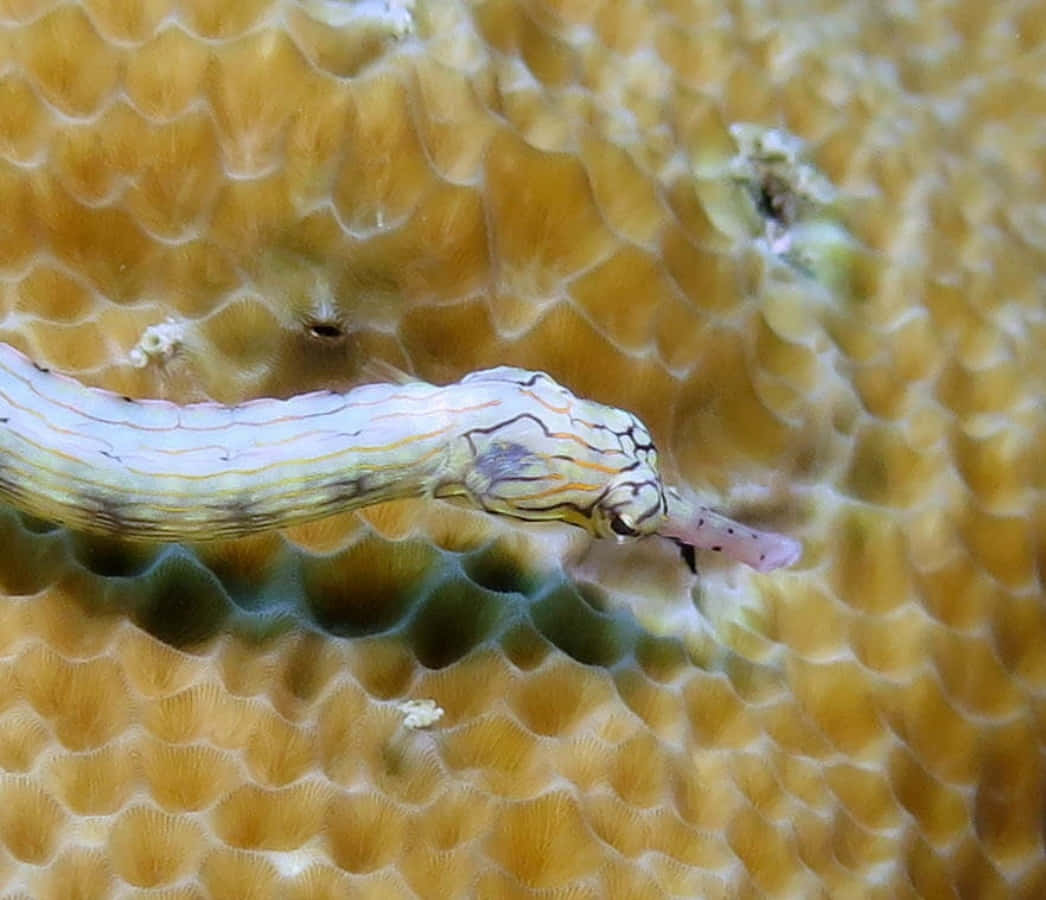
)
(432, 412)
(567, 410)
(403, 442)
(569, 486)
(568, 436)
(562, 410)
(597, 467)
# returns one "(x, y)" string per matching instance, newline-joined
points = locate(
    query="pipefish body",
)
(509, 441)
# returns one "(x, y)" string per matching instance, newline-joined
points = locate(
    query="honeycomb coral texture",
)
(306, 189)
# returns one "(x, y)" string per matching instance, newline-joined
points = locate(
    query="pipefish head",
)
(621, 496)
(633, 503)
(609, 492)
(555, 456)
(552, 456)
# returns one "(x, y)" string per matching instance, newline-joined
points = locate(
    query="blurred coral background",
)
(805, 241)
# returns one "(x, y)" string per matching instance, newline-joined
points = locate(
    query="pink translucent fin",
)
(698, 526)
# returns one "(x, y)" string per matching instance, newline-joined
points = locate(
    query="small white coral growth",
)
(419, 713)
(158, 344)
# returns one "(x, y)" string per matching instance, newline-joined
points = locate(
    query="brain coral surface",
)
(805, 242)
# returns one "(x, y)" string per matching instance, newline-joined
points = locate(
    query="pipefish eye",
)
(630, 509)
(622, 526)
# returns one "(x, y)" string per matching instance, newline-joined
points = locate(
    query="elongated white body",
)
(507, 440)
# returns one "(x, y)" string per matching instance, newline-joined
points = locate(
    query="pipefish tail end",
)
(689, 523)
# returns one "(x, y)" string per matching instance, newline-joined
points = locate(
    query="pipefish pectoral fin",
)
(498, 471)
(379, 371)
(507, 478)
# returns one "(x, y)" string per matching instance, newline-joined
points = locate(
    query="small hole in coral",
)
(326, 331)
(777, 200)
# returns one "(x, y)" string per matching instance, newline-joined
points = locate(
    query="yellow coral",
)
(306, 188)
